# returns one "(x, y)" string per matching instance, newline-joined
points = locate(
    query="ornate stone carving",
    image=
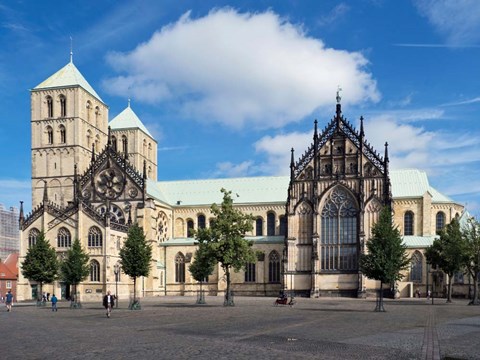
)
(109, 183)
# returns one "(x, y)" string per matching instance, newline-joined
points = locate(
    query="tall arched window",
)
(408, 223)
(259, 227)
(149, 150)
(97, 117)
(440, 221)
(95, 237)
(190, 228)
(114, 143)
(94, 271)
(270, 224)
(416, 269)
(338, 243)
(201, 223)
(63, 134)
(274, 267)
(124, 144)
(63, 105)
(32, 237)
(49, 106)
(89, 139)
(283, 225)
(144, 147)
(88, 108)
(49, 132)
(179, 268)
(250, 272)
(63, 238)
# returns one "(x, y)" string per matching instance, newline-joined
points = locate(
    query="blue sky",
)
(227, 88)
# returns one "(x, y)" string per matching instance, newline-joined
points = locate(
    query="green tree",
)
(136, 256)
(225, 239)
(448, 253)
(386, 256)
(471, 236)
(41, 263)
(201, 267)
(75, 267)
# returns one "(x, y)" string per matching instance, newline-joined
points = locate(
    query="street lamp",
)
(116, 271)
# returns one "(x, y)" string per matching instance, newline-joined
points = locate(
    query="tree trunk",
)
(379, 307)
(134, 289)
(449, 288)
(228, 296)
(475, 300)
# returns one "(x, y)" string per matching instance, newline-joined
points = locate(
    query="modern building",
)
(92, 178)
(9, 232)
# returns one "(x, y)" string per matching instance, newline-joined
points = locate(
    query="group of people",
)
(108, 301)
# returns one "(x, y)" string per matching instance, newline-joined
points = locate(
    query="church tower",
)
(131, 138)
(68, 120)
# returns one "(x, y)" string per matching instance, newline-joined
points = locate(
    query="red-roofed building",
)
(9, 275)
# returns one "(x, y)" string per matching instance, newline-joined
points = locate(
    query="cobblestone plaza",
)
(177, 328)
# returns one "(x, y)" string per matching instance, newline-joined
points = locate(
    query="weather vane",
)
(338, 94)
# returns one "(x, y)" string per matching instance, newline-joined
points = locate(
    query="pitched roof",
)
(413, 241)
(411, 183)
(265, 189)
(9, 269)
(127, 119)
(67, 76)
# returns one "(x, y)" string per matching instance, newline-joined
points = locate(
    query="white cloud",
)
(458, 20)
(334, 15)
(236, 68)
(13, 191)
(228, 169)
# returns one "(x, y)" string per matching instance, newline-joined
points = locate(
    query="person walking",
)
(9, 301)
(54, 303)
(108, 302)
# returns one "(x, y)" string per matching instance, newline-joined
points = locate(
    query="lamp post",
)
(116, 271)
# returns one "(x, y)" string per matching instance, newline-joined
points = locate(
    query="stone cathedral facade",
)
(92, 177)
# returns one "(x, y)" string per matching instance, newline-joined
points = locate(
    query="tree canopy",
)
(386, 256)
(225, 241)
(471, 237)
(136, 255)
(41, 263)
(448, 252)
(75, 267)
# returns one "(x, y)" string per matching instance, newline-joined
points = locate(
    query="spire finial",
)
(128, 102)
(339, 98)
(71, 49)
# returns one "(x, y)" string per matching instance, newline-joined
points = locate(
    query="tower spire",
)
(71, 49)
(339, 99)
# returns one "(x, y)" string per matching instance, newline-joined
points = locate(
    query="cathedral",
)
(93, 177)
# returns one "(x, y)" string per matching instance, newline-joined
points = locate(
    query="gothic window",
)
(338, 242)
(64, 238)
(88, 109)
(97, 116)
(114, 212)
(95, 237)
(149, 150)
(271, 224)
(94, 271)
(250, 272)
(32, 237)
(440, 221)
(190, 228)
(49, 106)
(63, 134)
(144, 147)
(274, 267)
(304, 214)
(49, 135)
(416, 267)
(63, 105)
(259, 227)
(162, 226)
(283, 225)
(89, 138)
(408, 223)
(201, 222)
(114, 143)
(124, 144)
(179, 268)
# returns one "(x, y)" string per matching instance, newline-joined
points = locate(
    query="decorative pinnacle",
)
(339, 98)
(71, 49)
(128, 102)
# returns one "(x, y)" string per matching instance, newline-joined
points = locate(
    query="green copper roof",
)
(66, 77)
(127, 119)
(418, 241)
(409, 183)
(266, 189)
(413, 183)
